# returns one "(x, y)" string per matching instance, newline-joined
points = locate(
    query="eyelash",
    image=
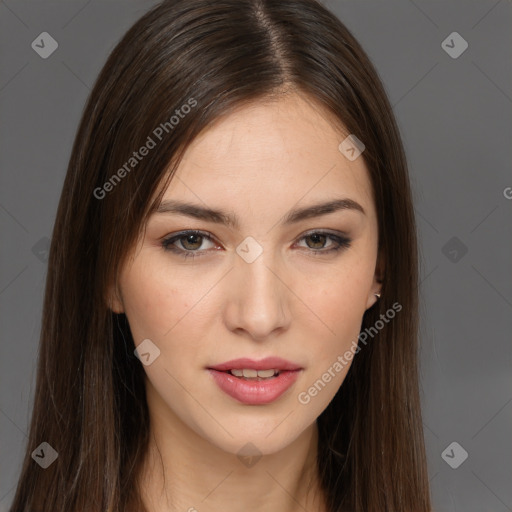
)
(342, 243)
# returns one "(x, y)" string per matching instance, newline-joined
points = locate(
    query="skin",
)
(258, 162)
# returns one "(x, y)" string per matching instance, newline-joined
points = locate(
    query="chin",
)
(253, 437)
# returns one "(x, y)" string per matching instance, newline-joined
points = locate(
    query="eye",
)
(319, 238)
(192, 240)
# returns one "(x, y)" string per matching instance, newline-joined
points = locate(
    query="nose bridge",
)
(260, 298)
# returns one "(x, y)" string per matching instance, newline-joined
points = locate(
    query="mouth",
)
(251, 374)
(255, 382)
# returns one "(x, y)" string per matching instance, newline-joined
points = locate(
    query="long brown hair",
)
(89, 399)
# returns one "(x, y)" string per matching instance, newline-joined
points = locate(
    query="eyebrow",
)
(231, 220)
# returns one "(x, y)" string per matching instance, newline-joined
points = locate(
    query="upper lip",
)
(268, 363)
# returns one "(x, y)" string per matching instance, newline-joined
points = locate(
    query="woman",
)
(230, 318)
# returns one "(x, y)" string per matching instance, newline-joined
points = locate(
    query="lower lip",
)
(254, 392)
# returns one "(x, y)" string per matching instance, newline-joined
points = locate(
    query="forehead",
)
(270, 155)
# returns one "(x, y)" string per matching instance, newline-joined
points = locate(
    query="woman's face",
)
(274, 284)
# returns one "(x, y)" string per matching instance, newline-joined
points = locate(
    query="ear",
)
(378, 278)
(114, 300)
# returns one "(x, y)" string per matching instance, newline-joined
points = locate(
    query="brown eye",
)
(316, 242)
(189, 243)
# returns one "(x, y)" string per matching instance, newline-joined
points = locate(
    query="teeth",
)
(249, 373)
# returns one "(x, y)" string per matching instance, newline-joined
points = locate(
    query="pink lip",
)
(254, 392)
(264, 364)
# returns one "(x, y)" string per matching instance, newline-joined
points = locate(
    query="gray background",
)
(455, 118)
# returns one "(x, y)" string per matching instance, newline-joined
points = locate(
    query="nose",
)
(258, 301)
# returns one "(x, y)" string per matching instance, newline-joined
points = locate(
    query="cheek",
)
(339, 304)
(338, 300)
(158, 301)
(338, 332)
(171, 307)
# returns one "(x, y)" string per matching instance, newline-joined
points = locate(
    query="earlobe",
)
(373, 297)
